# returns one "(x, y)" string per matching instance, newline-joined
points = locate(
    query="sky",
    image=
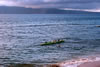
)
(86, 5)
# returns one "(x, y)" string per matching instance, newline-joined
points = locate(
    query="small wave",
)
(77, 62)
(38, 25)
(35, 25)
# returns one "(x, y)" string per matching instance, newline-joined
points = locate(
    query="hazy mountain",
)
(22, 10)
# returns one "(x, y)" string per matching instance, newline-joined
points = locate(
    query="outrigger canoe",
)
(52, 42)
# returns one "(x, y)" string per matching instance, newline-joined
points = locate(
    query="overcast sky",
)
(66, 4)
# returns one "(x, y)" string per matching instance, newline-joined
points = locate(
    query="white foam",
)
(77, 62)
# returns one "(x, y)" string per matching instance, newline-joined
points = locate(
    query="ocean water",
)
(22, 34)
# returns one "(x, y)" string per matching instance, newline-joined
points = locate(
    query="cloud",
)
(74, 4)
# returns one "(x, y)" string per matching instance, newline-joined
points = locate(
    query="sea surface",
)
(22, 34)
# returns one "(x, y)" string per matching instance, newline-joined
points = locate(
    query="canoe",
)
(52, 43)
(98, 26)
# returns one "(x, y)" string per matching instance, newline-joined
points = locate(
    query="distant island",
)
(23, 10)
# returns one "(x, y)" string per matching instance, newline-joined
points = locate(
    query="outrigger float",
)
(52, 42)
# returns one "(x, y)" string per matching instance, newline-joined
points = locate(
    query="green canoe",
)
(52, 43)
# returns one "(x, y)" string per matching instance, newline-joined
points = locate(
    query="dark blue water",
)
(22, 34)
